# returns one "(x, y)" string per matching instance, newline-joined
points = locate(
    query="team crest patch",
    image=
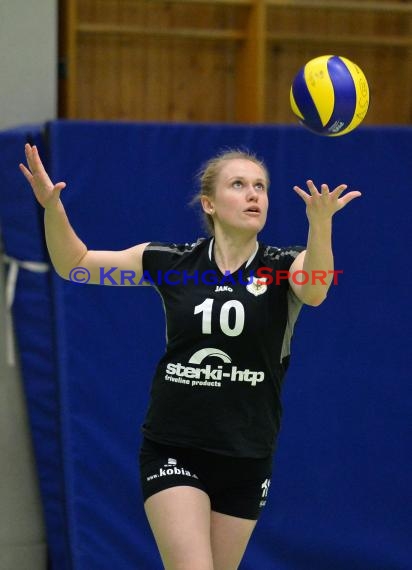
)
(258, 286)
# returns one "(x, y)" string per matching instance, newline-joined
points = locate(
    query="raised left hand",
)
(322, 205)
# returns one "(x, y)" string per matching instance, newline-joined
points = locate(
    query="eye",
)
(260, 186)
(237, 184)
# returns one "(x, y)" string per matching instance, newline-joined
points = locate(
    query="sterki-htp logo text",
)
(210, 375)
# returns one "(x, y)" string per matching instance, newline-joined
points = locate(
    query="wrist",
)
(53, 206)
(321, 225)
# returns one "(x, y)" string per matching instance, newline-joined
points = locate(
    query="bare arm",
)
(317, 260)
(66, 249)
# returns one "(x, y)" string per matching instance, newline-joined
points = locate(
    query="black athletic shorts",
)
(236, 486)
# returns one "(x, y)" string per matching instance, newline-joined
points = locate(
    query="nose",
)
(252, 193)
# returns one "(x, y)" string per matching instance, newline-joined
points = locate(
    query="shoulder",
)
(170, 248)
(166, 255)
(278, 255)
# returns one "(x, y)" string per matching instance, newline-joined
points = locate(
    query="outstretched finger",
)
(38, 165)
(33, 160)
(26, 172)
(338, 190)
(28, 149)
(30, 178)
(312, 188)
(59, 186)
(304, 195)
(349, 197)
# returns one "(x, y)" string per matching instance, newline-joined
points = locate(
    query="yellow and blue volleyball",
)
(330, 95)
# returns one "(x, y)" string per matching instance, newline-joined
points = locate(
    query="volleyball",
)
(330, 95)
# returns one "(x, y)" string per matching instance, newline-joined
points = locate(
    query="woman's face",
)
(241, 199)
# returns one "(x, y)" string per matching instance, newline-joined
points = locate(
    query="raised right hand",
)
(47, 193)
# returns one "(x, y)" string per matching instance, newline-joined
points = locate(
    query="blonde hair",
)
(209, 172)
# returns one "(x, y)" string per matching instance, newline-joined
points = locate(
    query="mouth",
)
(253, 210)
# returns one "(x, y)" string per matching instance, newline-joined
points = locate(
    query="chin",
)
(250, 228)
(256, 225)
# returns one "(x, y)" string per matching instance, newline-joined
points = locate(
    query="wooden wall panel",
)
(226, 60)
(379, 42)
(156, 61)
(161, 79)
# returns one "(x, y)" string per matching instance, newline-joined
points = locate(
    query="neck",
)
(231, 251)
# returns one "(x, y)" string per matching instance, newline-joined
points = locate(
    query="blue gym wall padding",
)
(341, 485)
(21, 225)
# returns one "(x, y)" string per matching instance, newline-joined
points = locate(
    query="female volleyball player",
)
(230, 304)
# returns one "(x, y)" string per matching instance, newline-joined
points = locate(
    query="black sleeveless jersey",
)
(218, 385)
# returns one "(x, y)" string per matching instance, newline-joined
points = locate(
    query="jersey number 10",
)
(206, 309)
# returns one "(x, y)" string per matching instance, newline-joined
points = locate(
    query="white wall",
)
(28, 61)
(22, 533)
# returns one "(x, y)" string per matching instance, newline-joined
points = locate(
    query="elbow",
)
(314, 296)
(71, 270)
(62, 273)
(65, 273)
(314, 300)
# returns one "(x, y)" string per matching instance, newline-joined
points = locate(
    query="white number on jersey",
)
(206, 309)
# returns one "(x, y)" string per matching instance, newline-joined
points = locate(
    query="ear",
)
(207, 205)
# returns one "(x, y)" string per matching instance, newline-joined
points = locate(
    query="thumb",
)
(57, 188)
(54, 196)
